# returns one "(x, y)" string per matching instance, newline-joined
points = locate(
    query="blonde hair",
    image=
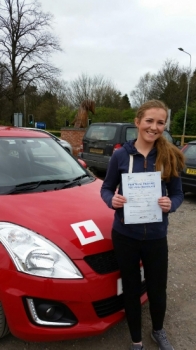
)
(169, 159)
(151, 104)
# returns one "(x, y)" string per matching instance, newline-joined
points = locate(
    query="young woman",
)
(147, 242)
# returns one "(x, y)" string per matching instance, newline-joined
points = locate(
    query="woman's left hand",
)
(165, 204)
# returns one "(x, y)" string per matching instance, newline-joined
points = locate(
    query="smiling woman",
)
(143, 237)
(151, 125)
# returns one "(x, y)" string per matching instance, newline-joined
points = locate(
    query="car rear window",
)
(108, 132)
(101, 132)
(131, 134)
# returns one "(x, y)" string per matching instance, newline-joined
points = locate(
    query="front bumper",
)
(85, 304)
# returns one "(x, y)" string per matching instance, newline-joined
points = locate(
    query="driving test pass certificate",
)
(142, 191)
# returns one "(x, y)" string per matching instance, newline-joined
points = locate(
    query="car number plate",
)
(119, 281)
(96, 150)
(191, 171)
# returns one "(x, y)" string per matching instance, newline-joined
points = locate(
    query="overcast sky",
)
(122, 39)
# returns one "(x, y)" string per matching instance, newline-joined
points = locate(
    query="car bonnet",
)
(75, 219)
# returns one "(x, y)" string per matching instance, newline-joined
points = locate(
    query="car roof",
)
(113, 123)
(192, 142)
(40, 130)
(10, 131)
(46, 132)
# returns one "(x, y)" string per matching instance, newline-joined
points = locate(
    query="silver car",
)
(66, 145)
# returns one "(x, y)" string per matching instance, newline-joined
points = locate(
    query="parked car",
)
(82, 162)
(102, 139)
(189, 172)
(65, 144)
(59, 278)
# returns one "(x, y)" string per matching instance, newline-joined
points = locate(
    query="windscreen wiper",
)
(80, 177)
(30, 186)
(27, 186)
(75, 181)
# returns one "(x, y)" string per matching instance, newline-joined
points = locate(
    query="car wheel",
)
(4, 329)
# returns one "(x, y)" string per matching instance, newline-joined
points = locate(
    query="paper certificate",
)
(142, 191)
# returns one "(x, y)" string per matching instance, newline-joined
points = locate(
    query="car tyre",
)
(4, 329)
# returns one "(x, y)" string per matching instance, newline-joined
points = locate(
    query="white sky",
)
(122, 39)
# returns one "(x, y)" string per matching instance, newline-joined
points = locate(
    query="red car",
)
(59, 278)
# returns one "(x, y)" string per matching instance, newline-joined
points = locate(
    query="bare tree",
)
(102, 91)
(59, 88)
(26, 44)
(142, 90)
(169, 85)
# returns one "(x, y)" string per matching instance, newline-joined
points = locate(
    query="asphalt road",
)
(180, 321)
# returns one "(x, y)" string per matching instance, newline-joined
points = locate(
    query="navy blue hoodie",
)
(119, 164)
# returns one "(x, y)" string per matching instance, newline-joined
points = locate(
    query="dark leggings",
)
(154, 256)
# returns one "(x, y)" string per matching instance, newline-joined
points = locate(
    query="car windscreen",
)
(25, 160)
(101, 132)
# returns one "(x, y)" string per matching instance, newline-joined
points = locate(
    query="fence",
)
(183, 138)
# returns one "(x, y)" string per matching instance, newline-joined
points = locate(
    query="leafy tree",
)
(171, 96)
(46, 110)
(3, 80)
(192, 90)
(169, 72)
(170, 85)
(125, 103)
(26, 43)
(178, 121)
(128, 115)
(5, 107)
(64, 114)
(105, 114)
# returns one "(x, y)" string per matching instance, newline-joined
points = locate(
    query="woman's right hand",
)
(118, 201)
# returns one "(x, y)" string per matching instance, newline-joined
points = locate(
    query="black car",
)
(189, 172)
(102, 139)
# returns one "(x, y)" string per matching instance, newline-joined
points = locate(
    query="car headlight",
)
(35, 255)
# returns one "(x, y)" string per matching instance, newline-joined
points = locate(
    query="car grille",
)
(113, 304)
(103, 263)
